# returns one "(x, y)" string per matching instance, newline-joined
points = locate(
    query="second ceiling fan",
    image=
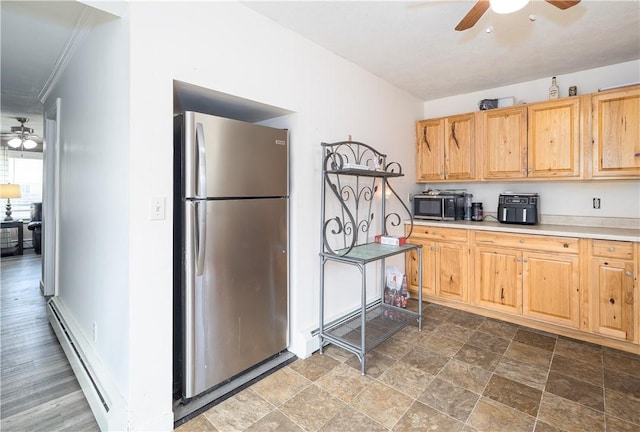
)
(481, 6)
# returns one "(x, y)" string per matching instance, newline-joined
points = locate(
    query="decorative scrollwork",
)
(392, 167)
(354, 173)
(352, 152)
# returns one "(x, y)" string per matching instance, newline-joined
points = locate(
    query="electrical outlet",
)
(95, 331)
(156, 208)
(596, 203)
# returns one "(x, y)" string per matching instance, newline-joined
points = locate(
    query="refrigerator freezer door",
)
(236, 310)
(233, 158)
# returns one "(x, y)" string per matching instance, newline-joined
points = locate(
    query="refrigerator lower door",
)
(236, 308)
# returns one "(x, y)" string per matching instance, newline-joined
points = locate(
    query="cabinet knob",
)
(612, 249)
(565, 245)
(521, 240)
(612, 301)
(517, 259)
(628, 273)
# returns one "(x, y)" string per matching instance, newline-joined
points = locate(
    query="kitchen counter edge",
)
(587, 232)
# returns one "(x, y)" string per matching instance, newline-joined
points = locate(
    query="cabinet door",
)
(612, 298)
(459, 149)
(499, 278)
(430, 150)
(503, 140)
(428, 266)
(551, 289)
(451, 270)
(616, 128)
(554, 139)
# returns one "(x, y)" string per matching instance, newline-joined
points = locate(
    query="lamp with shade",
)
(9, 191)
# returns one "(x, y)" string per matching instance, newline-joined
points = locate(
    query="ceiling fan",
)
(481, 6)
(21, 136)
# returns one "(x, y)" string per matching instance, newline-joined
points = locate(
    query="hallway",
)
(39, 391)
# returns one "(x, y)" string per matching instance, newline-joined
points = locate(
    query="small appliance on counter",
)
(518, 208)
(439, 205)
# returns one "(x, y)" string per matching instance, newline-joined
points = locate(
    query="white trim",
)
(83, 25)
(51, 199)
(107, 404)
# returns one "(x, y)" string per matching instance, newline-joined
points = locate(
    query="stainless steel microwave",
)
(438, 207)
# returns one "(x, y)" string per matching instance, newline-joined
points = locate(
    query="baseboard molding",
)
(108, 406)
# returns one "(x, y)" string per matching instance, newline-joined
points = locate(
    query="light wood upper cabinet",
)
(616, 133)
(502, 138)
(430, 150)
(554, 139)
(596, 135)
(459, 147)
(445, 148)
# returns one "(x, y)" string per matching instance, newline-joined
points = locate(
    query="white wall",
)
(229, 48)
(94, 226)
(619, 198)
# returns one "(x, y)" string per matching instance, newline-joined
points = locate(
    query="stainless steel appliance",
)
(519, 208)
(230, 249)
(449, 206)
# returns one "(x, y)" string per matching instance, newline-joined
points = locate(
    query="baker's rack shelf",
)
(355, 188)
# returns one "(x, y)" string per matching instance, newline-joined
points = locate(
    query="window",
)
(25, 169)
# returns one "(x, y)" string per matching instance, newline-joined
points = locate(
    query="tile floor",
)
(463, 372)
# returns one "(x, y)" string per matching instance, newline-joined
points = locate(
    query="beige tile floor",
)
(463, 372)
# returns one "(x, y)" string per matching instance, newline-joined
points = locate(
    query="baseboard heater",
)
(78, 354)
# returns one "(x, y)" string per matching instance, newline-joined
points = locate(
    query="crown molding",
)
(82, 27)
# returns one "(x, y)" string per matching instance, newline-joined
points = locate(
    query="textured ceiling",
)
(414, 46)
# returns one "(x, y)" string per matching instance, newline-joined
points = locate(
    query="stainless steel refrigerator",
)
(230, 248)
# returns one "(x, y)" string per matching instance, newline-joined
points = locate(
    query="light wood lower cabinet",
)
(526, 275)
(613, 304)
(444, 262)
(581, 288)
(551, 287)
(498, 278)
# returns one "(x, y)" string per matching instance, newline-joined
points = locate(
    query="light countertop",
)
(591, 232)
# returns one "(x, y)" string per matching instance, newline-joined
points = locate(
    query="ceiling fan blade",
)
(563, 4)
(472, 17)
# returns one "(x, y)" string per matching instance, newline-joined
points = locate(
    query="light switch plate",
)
(157, 208)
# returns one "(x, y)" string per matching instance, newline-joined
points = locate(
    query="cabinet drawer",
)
(438, 233)
(537, 242)
(612, 249)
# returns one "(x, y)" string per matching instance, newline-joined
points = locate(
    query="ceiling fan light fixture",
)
(507, 6)
(30, 144)
(15, 142)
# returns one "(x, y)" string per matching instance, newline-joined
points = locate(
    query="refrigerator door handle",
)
(201, 174)
(201, 236)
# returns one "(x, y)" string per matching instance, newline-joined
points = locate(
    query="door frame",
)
(51, 201)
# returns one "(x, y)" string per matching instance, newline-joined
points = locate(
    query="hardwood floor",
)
(39, 391)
